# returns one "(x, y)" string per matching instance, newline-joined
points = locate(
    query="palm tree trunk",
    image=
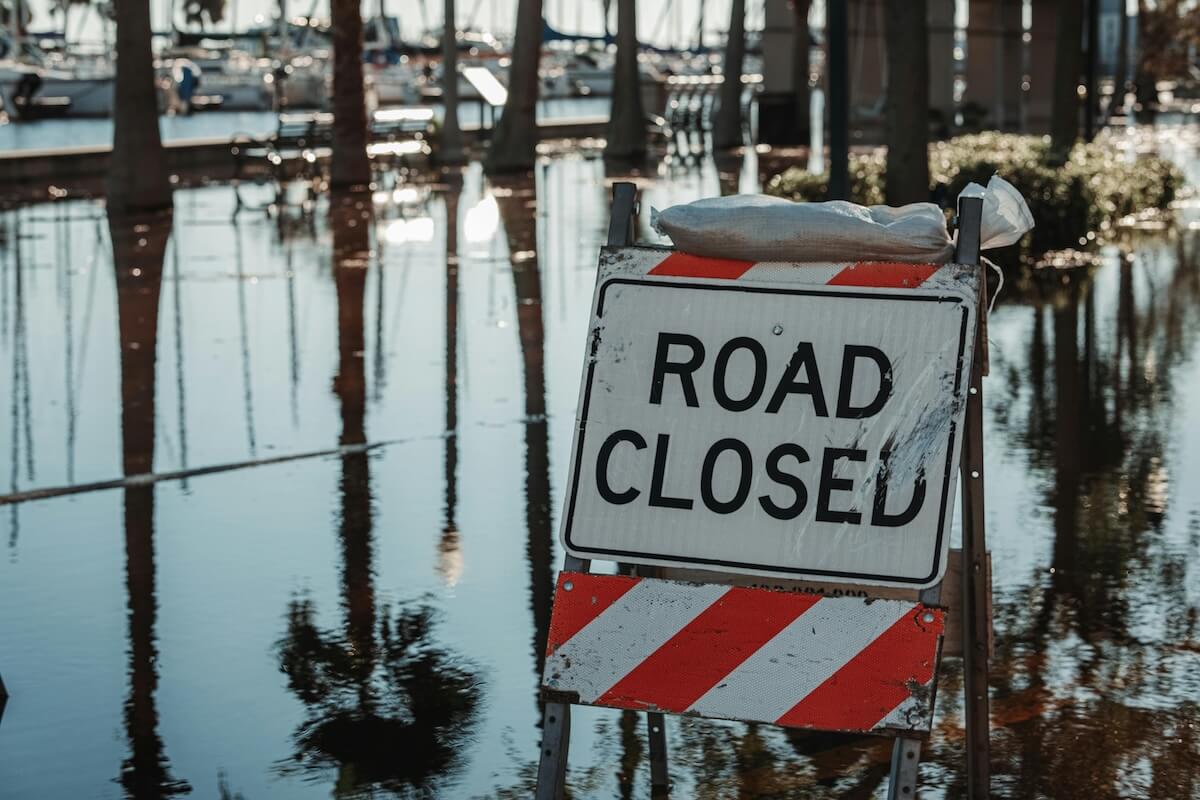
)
(1121, 71)
(350, 168)
(800, 69)
(627, 119)
(1068, 60)
(450, 150)
(1147, 91)
(137, 178)
(907, 122)
(514, 148)
(727, 126)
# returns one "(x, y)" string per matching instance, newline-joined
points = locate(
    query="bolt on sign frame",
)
(755, 652)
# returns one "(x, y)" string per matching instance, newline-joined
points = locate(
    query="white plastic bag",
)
(1006, 217)
(764, 228)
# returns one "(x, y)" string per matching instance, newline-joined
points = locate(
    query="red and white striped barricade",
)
(778, 422)
(728, 652)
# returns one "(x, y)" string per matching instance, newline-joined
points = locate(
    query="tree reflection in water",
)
(386, 709)
(516, 198)
(450, 560)
(1092, 669)
(138, 250)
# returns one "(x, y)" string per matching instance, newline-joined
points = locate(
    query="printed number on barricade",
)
(776, 419)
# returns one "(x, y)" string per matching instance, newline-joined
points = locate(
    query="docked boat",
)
(33, 85)
(221, 78)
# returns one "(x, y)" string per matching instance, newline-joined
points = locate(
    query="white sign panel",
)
(771, 424)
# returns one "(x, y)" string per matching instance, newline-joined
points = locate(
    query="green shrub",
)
(1089, 194)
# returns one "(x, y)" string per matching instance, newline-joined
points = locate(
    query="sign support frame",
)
(906, 753)
(902, 783)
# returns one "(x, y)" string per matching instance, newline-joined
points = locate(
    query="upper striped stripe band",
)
(883, 275)
(790, 659)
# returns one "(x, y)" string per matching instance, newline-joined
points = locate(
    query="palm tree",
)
(450, 149)
(1144, 77)
(627, 119)
(350, 168)
(137, 179)
(727, 126)
(1068, 60)
(907, 124)
(1121, 70)
(514, 148)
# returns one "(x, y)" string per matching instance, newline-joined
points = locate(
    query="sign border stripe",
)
(767, 684)
(880, 673)
(609, 646)
(569, 619)
(686, 265)
(884, 275)
(743, 624)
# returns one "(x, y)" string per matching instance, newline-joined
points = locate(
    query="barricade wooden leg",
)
(659, 781)
(976, 625)
(906, 759)
(552, 760)
(556, 728)
(656, 728)
(906, 753)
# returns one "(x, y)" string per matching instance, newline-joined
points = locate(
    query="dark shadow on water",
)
(386, 710)
(138, 251)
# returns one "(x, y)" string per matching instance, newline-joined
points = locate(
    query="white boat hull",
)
(86, 97)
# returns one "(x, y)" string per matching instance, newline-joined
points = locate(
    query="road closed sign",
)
(795, 421)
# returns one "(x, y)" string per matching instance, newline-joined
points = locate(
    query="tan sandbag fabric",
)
(763, 228)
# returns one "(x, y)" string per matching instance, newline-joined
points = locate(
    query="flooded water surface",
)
(360, 419)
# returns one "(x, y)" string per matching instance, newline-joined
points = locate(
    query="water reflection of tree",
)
(517, 202)
(449, 554)
(386, 709)
(1080, 677)
(138, 250)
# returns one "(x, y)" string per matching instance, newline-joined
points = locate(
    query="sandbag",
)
(765, 228)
